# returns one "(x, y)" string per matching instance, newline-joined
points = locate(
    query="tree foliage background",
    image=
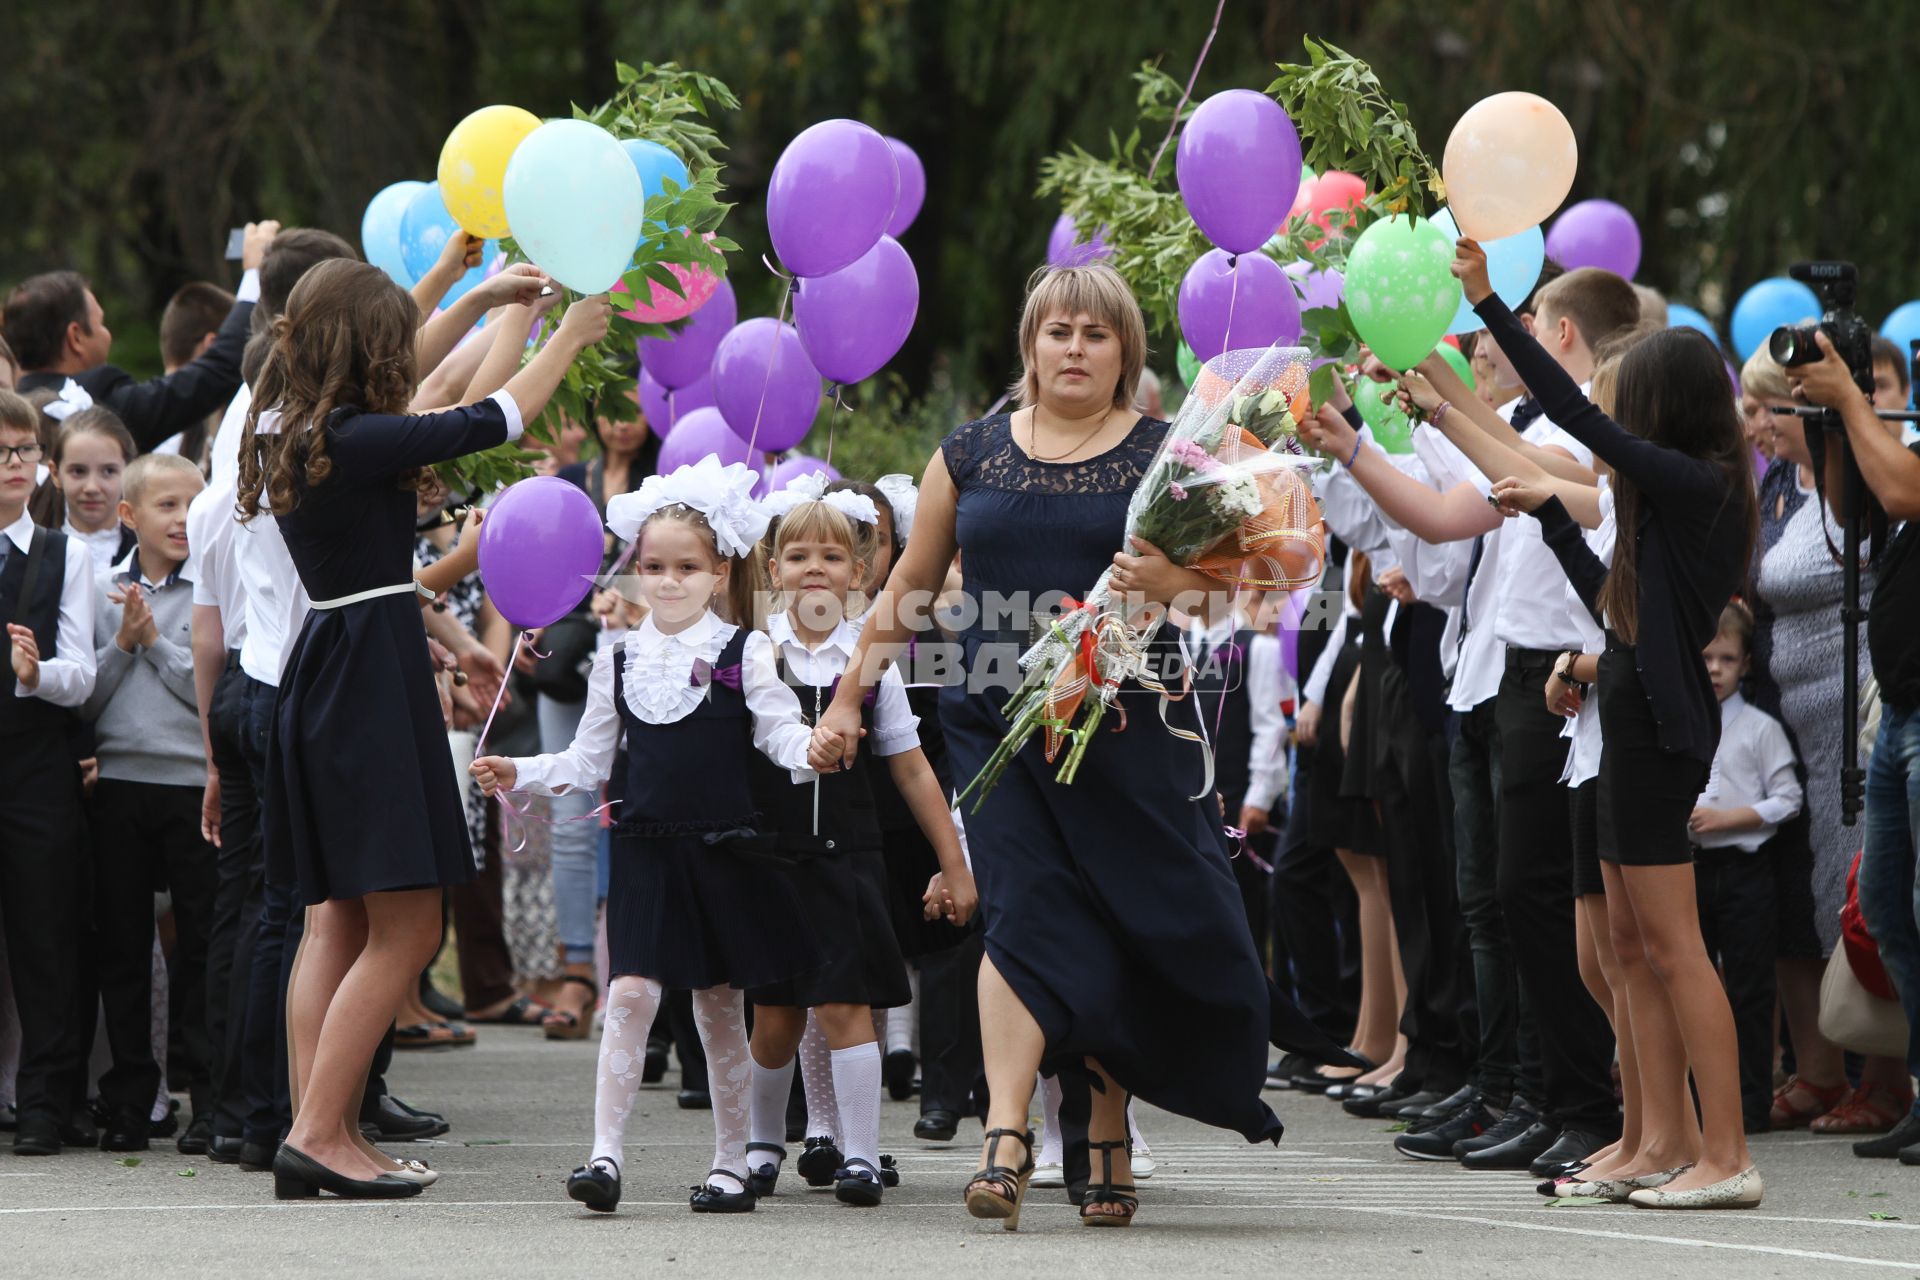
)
(1744, 134)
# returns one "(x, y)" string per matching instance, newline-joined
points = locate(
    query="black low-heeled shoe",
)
(937, 1125)
(715, 1199)
(596, 1185)
(297, 1176)
(818, 1161)
(763, 1177)
(858, 1183)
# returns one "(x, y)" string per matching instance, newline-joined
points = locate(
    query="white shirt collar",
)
(694, 637)
(1730, 707)
(109, 534)
(20, 532)
(845, 636)
(130, 566)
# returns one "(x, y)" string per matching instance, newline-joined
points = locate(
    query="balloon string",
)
(833, 418)
(1233, 299)
(773, 353)
(1187, 93)
(479, 747)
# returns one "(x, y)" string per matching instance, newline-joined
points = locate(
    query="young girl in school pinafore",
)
(691, 902)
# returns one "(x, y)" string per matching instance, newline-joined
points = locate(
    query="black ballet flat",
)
(857, 1183)
(818, 1162)
(596, 1185)
(762, 1178)
(653, 1068)
(712, 1199)
(297, 1176)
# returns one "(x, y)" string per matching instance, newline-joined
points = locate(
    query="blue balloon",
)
(424, 229)
(1680, 316)
(380, 230)
(1513, 265)
(1773, 302)
(653, 163)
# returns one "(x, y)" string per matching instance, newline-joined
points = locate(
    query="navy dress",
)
(1110, 905)
(361, 793)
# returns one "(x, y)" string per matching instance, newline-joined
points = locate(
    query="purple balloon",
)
(1596, 233)
(913, 188)
(853, 321)
(540, 548)
(1249, 303)
(764, 385)
(683, 359)
(1293, 610)
(1238, 166)
(665, 406)
(1064, 250)
(799, 464)
(832, 194)
(698, 434)
(1317, 287)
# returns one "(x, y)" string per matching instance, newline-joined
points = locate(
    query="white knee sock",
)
(772, 1086)
(631, 1004)
(816, 1078)
(856, 1081)
(721, 1015)
(899, 1036)
(1052, 1145)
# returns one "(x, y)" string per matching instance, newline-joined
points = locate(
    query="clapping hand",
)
(26, 656)
(137, 627)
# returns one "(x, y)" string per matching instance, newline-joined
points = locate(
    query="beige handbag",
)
(1854, 1018)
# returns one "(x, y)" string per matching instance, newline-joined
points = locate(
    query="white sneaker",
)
(1142, 1165)
(1051, 1174)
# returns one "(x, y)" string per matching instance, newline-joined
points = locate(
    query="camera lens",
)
(1791, 345)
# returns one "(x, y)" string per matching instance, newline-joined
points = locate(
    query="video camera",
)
(1833, 283)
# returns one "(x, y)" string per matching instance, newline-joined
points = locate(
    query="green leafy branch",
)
(661, 103)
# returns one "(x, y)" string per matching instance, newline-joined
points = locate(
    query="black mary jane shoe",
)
(712, 1198)
(762, 1176)
(297, 1176)
(818, 1161)
(596, 1185)
(857, 1183)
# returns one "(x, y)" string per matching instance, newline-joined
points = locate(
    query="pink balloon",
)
(698, 434)
(1336, 189)
(665, 306)
(540, 549)
(913, 188)
(664, 406)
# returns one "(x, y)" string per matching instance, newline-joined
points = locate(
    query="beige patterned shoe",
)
(1612, 1190)
(1742, 1191)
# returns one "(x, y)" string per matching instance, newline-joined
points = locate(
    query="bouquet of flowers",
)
(1224, 495)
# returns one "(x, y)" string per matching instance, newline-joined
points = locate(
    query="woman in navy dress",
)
(1117, 947)
(363, 811)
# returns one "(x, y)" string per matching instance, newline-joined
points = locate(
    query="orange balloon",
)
(1509, 164)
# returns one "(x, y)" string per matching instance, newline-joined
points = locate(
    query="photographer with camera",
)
(1891, 474)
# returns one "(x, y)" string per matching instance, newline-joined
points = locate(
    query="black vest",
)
(42, 615)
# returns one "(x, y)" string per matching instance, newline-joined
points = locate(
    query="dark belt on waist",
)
(1519, 658)
(233, 660)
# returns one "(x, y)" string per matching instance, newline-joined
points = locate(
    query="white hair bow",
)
(904, 498)
(812, 487)
(72, 399)
(722, 494)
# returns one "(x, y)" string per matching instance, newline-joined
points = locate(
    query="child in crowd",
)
(91, 453)
(146, 805)
(1751, 790)
(698, 694)
(819, 550)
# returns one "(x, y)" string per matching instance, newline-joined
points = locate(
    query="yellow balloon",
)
(1508, 165)
(473, 165)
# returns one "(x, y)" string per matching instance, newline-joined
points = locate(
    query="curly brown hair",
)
(346, 340)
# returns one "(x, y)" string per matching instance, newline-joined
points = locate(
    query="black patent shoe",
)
(166, 1126)
(713, 1198)
(37, 1134)
(224, 1150)
(126, 1131)
(694, 1100)
(1516, 1152)
(388, 1118)
(1568, 1152)
(818, 1162)
(857, 1183)
(257, 1157)
(198, 1135)
(936, 1126)
(297, 1176)
(653, 1067)
(596, 1185)
(762, 1176)
(1367, 1106)
(897, 1071)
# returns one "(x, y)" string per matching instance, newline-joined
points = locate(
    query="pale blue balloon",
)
(424, 230)
(380, 230)
(1765, 307)
(1513, 265)
(654, 163)
(1680, 316)
(575, 203)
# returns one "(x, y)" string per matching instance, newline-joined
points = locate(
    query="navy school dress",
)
(361, 794)
(840, 873)
(1110, 905)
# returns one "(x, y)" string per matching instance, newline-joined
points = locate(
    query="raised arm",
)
(1487, 439)
(1891, 471)
(1459, 512)
(520, 283)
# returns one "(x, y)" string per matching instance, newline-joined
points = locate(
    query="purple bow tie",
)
(705, 673)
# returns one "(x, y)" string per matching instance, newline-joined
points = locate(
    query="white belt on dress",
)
(373, 593)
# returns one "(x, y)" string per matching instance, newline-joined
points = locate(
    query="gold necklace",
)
(1033, 436)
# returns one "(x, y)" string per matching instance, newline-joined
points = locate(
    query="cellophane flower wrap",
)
(1226, 494)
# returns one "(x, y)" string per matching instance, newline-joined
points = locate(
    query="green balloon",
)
(1392, 430)
(1461, 365)
(1400, 289)
(1188, 362)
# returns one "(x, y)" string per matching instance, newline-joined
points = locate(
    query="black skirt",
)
(1586, 840)
(1646, 792)
(843, 896)
(1337, 821)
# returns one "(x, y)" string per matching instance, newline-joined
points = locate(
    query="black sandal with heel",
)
(1108, 1192)
(997, 1190)
(565, 1024)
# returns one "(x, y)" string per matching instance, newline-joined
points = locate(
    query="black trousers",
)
(1735, 893)
(236, 902)
(1473, 770)
(42, 879)
(1314, 919)
(146, 837)
(952, 1077)
(1535, 887)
